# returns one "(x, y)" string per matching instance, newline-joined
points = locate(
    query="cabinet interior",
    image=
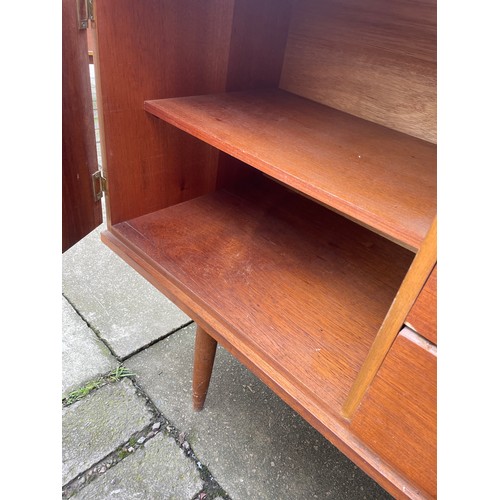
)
(272, 168)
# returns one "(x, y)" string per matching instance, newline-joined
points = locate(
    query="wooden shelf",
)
(381, 178)
(239, 254)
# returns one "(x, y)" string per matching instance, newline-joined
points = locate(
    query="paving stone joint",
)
(211, 490)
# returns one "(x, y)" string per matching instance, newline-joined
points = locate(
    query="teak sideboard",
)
(270, 167)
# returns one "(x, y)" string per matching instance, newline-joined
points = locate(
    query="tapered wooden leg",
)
(204, 356)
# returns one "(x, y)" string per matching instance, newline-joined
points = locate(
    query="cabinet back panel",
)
(152, 49)
(375, 59)
(258, 42)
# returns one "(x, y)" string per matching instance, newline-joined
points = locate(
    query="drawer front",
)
(423, 315)
(397, 417)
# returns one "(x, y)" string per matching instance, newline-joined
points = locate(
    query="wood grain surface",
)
(147, 50)
(241, 253)
(204, 356)
(423, 315)
(80, 213)
(417, 275)
(296, 292)
(381, 178)
(325, 421)
(398, 416)
(372, 58)
(258, 39)
(164, 48)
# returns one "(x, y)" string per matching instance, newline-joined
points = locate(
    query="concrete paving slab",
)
(125, 309)
(157, 471)
(97, 425)
(253, 443)
(84, 356)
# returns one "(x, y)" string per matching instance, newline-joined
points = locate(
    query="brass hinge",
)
(99, 185)
(85, 9)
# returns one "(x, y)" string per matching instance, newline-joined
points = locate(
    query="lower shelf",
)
(303, 288)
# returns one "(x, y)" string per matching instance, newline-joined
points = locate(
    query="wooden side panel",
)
(397, 417)
(80, 214)
(375, 59)
(154, 49)
(423, 315)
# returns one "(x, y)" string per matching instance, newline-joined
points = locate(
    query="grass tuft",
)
(118, 373)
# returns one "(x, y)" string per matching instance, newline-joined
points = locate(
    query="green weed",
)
(118, 373)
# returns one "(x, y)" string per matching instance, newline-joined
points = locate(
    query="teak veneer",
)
(80, 213)
(271, 168)
(423, 315)
(330, 158)
(239, 255)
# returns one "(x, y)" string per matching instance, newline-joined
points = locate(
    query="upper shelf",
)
(383, 179)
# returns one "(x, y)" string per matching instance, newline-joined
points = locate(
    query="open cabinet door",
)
(80, 212)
